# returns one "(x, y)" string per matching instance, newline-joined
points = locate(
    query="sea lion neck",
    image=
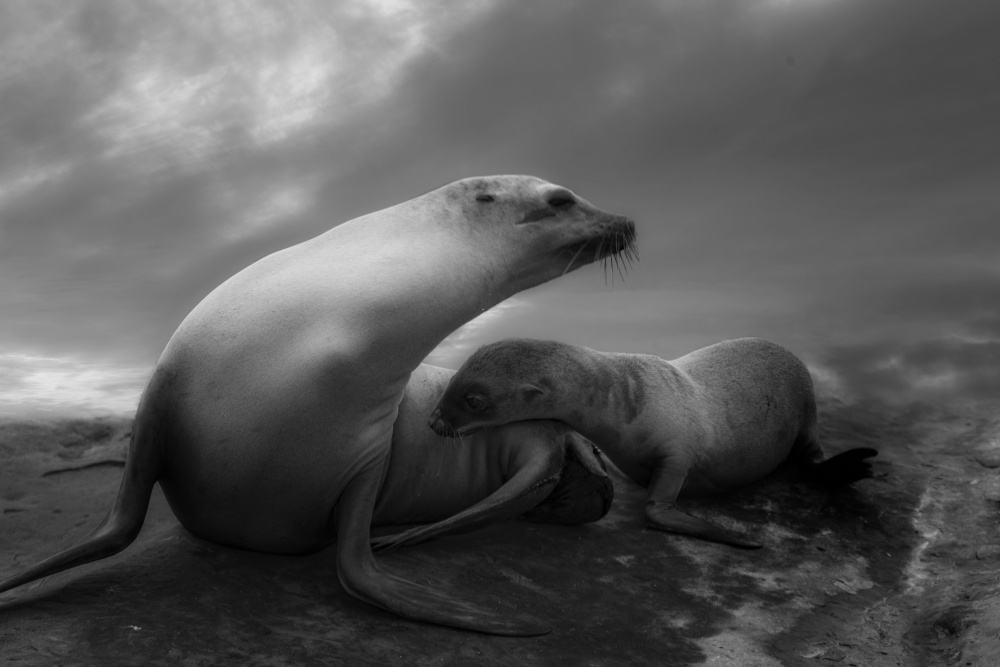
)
(445, 286)
(594, 395)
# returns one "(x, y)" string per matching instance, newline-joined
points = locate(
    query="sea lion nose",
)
(440, 426)
(436, 423)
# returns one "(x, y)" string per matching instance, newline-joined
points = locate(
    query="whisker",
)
(630, 252)
(625, 261)
(604, 260)
(614, 262)
(578, 251)
(614, 258)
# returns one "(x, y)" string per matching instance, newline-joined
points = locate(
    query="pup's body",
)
(709, 422)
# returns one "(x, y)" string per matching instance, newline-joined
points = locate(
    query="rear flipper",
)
(118, 530)
(533, 481)
(109, 538)
(362, 577)
(584, 493)
(665, 484)
(842, 469)
(673, 520)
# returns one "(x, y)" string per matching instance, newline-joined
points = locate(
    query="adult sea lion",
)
(268, 418)
(709, 422)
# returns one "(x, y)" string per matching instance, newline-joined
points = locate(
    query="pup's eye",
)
(475, 403)
(560, 202)
(484, 198)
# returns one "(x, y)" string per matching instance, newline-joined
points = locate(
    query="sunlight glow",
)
(33, 384)
(453, 350)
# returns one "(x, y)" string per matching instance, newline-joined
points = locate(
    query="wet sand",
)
(897, 570)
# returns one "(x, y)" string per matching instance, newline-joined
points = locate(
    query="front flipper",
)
(662, 513)
(537, 473)
(362, 577)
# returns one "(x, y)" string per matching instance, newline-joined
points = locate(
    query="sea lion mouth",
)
(446, 430)
(616, 243)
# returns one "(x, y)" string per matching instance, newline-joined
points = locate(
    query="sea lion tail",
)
(844, 468)
(143, 467)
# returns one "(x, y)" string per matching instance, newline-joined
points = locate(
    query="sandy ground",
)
(898, 570)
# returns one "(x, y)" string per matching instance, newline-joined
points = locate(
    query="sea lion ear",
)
(530, 392)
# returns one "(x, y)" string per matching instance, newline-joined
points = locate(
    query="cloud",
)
(145, 146)
(34, 385)
(820, 173)
(945, 371)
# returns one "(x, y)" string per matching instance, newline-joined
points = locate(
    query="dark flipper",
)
(665, 484)
(585, 491)
(120, 528)
(842, 469)
(363, 578)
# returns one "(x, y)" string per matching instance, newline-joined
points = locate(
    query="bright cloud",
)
(27, 179)
(32, 384)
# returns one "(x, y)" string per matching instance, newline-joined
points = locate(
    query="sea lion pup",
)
(268, 419)
(709, 422)
(540, 470)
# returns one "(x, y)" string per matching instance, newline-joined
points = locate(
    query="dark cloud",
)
(945, 371)
(822, 173)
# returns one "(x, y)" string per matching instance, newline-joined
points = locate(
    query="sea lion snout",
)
(439, 425)
(620, 235)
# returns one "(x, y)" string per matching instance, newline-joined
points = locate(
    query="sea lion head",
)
(529, 231)
(511, 380)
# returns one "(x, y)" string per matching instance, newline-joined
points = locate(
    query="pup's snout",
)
(440, 427)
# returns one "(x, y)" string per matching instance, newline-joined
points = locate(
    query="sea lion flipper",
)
(362, 577)
(844, 468)
(665, 485)
(143, 467)
(674, 520)
(585, 491)
(537, 474)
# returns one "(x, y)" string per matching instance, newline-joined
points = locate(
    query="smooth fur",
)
(709, 422)
(268, 419)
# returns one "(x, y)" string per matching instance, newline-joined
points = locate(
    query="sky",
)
(822, 173)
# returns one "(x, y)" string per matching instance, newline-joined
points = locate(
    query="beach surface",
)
(896, 570)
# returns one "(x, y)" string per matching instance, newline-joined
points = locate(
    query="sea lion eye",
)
(484, 198)
(475, 403)
(560, 202)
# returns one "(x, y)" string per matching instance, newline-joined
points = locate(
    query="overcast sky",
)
(823, 173)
